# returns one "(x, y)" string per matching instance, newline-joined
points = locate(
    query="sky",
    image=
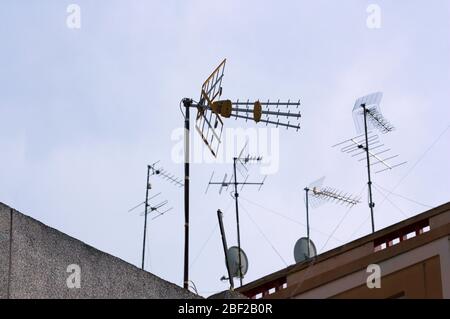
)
(84, 110)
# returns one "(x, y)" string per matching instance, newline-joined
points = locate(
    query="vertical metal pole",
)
(145, 216)
(307, 219)
(225, 248)
(236, 195)
(369, 183)
(186, 195)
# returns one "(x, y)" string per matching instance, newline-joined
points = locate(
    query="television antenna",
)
(320, 194)
(235, 183)
(367, 115)
(209, 124)
(161, 172)
(158, 207)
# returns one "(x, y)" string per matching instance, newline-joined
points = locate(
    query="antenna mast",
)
(369, 180)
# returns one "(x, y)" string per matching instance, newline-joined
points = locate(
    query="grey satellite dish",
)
(301, 252)
(233, 261)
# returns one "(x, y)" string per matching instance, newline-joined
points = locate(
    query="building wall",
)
(421, 280)
(34, 260)
(413, 254)
(4, 250)
(434, 253)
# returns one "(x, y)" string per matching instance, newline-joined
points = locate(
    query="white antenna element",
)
(374, 115)
(378, 153)
(319, 195)
(164, 174)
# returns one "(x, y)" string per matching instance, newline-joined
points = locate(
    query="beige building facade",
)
(413, 258)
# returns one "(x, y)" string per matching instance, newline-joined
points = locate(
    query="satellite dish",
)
(233, 261)
(301, 252)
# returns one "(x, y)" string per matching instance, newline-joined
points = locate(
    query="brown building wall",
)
(413, 254)
(421, 280)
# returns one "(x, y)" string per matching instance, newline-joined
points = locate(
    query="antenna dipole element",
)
(332, 194)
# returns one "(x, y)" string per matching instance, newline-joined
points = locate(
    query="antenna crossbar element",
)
(379, 121)
(248, 158)
(212, 87)
(165, 175)
(254, 111)
(276, 123)
(335, 196)
(162, 213)
(209, 124)
(356, 147)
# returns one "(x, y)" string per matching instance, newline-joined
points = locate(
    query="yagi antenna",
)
(320, 194)
(283, 117)
(375, 118)
(335, 196)
(379, 121)
(159, 207)
(164, 174)
(211, 111)
(367, 146)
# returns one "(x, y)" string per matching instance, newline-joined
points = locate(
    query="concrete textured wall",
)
(4, 249)
(34, 260)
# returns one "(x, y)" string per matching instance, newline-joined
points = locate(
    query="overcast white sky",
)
(84, 110)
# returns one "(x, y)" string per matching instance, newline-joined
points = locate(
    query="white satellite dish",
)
(233, 261)
(301, 251)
